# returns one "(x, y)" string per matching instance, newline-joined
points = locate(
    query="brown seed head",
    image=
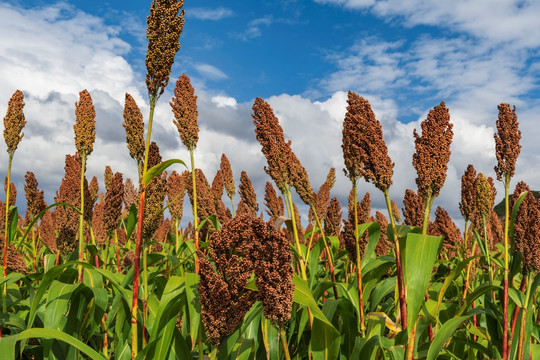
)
(395, 212)
(270, 135)
(247, 193)
(176, 190)
(228, 180)
(113, 203)
(131, 194)
(85, 123)
(527, 228)
(413, 210)
(507, 147)
(433, 151)
(35, 202)
(205, 202)
(46, 231)
(273, 202)
(184, 108)
(154, 157)
(217, 187)
(134, 126)
(67, 219)
(14, 121)
(367, 154)
(348, 234)
(445, 227)
(165, 25)
(300, 180)
(93, 188)
(107, 177)
(467, 205)
(332, 223)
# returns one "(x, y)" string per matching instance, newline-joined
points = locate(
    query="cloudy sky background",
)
(404, 56)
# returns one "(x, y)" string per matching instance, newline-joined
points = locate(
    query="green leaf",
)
(418, 258)
(9, 346)
(193, 305)
(517, 296)
(131, 221)
(445, 332)
(325, 341)
(159, 168)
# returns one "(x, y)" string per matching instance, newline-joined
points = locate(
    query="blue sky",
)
(404, 56)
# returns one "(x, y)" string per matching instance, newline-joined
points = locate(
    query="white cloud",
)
(210, 72)
(224, 101)
(210, 13)
(253, 29)
(500, 21)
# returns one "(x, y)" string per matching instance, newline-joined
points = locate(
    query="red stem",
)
(505, 318)
(516, 309)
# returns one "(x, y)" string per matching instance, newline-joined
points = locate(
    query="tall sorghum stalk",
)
(13, 124)
(483, 207)
(366, 155)
(165, 24)
(85, 135)
(507, 149)
(431, 163)
(281, 163)
(467, 207)
(184, 108)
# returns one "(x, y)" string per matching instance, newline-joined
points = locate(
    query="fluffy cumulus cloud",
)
(210, 13)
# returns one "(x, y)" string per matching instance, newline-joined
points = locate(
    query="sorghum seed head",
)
(85, 123)
(14, 121)
(507, 147)
(184, 108)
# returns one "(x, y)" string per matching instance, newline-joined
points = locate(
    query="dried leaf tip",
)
(14, 121)
(507, 147)
(165, 25)
(433, 151)
(184, 108)
(85, 123)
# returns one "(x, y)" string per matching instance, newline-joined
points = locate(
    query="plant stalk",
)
(195, 216)
(6, 234)
(81, 217)
(506, 269)
(284, 345)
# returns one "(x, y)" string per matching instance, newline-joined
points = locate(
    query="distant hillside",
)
(499, 208)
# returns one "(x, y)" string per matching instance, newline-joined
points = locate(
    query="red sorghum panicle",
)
(46, 231)
(247, 193)
(107, 177)
(332, 223)
(93, 188)
(217, 187)
(322, 198)
(270, 135)
(35, 202)
(433, 151)
(134, 126)
(154, 157)
(395, 212)
(162, 235)
(445, 227)
(98, 226)
(351, 134)
(384, 244)
(413, 210)
(184, 108)
(228, 180)
(67, 219)
(205, 202)
(273, 202)
(507, 147)
(15, 262)
(367, 143)
(527, 228)
(176, 190)
(467, 205)
(165, 24)
(14, 121)
(130, 194)
(300, 180)
(85, 123)
(113, 203)
(12, 192)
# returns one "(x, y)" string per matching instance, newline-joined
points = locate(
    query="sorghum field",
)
(114, 274)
